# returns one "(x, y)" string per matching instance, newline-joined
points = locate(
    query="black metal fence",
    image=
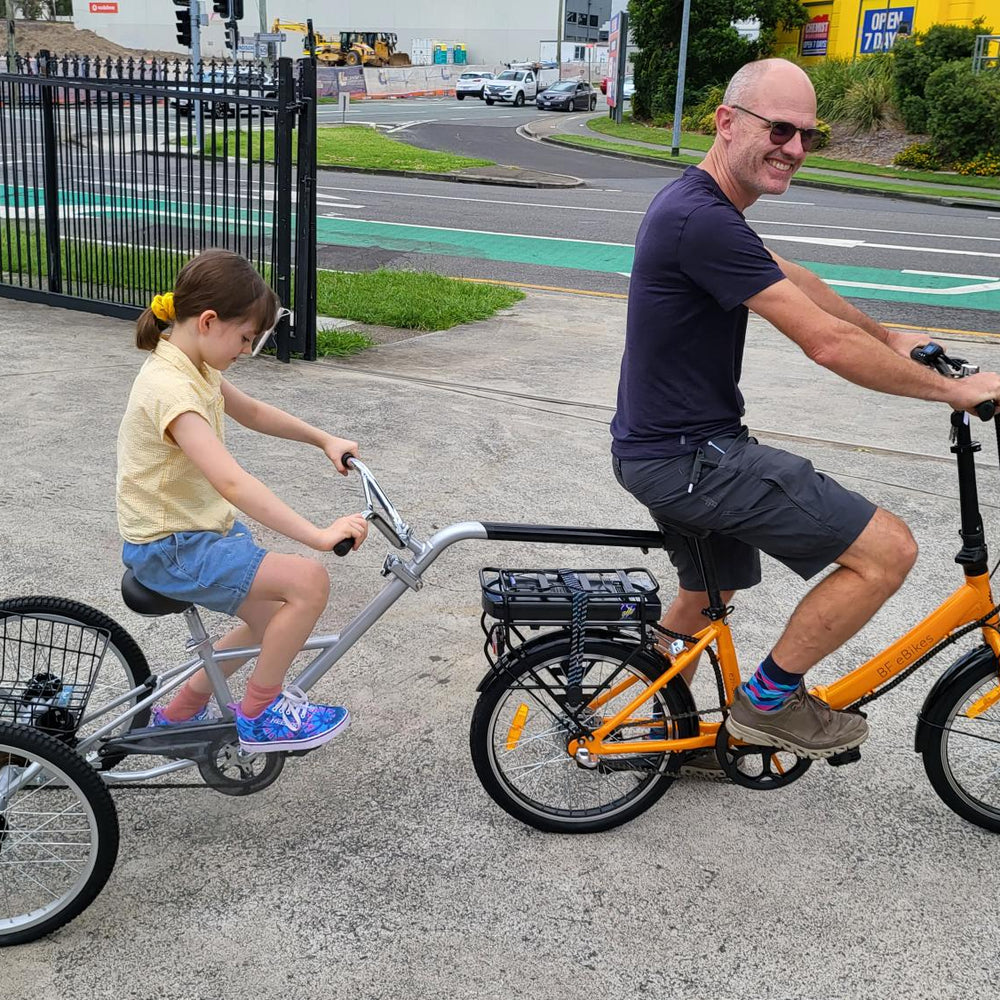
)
(113, 173)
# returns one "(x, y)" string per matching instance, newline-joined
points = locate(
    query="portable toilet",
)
(440, 52)
(461, 54)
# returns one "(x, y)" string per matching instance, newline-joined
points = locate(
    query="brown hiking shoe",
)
(804, 725)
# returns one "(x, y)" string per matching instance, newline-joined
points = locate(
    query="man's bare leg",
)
(869, 573)
(685, 616)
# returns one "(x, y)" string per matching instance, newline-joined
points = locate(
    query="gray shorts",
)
(755, 499)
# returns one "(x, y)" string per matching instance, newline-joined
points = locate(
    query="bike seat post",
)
(201, 643)
(702, 552)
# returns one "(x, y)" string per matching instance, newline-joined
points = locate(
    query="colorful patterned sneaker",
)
(290, 722)
(207, 714)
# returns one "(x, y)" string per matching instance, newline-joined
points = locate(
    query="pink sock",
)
(257, 698)
(186, 702)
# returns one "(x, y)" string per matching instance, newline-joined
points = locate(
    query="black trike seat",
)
(144, 601)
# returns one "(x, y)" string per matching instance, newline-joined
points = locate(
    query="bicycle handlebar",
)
(395, 529)
(933, 356)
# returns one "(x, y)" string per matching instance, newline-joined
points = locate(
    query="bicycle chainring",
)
(761, 768)
(229, 770)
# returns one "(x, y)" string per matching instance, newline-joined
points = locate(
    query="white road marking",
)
(854, 244)
(951, 274)
(887, 232)
(991, 286)
(487, 201)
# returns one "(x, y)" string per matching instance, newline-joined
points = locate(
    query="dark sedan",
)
(568, 95)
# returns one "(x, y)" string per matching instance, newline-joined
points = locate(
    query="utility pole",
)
(559, 35)
(675, 147)
(11, 47)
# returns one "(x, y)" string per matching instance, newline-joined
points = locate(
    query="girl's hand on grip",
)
(353, 527)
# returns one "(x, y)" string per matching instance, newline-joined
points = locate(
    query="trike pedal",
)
(844, 757)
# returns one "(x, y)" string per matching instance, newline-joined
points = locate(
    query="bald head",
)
(776, 77)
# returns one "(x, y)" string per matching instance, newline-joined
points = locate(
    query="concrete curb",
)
(926, 199)
(557, 181)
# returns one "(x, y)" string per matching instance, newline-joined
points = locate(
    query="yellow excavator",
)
(333, 52)
(383, 43)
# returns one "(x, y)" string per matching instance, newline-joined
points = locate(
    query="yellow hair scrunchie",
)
(163, 307)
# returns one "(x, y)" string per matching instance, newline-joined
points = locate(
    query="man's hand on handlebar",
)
(967, 388)
(344, 535)
(970, 392)
(337, 449)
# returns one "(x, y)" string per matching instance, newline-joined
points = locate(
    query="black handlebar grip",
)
(344, 459)
(343, 546)
(985, 411)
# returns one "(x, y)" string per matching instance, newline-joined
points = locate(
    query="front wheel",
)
(593, 103)
(461, 97)
(489, 101)
(520, 731)
(58, 834)
(519, 100)
(962, 754)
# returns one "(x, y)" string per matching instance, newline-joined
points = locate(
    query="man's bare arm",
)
(830, 302)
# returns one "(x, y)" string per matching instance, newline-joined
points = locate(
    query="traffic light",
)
(221, 7)
(228, 10)
(182, 20)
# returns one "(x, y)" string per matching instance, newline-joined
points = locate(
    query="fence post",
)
(282, 263)
(304, 339)
(50, 176)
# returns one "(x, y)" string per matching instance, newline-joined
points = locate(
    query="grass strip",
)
(346, 146)
(850, 183)
(694, 140)
(341, 343)
(408, 299)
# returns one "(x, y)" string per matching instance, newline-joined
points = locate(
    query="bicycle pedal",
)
(844, 757)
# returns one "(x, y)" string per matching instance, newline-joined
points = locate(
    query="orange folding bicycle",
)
(585, 726)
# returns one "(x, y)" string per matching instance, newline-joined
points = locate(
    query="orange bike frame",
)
(972, 601)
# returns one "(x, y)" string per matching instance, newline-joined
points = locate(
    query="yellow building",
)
(846, 28)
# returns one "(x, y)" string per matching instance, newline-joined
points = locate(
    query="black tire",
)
(351, 58)
(541, 664)
(593, 103)
(124, 666)
(962, 755)
(87, 820)
(519, 99)
(461, 97)
(482, 93)
(489, 101)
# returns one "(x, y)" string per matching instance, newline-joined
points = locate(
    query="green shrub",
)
(963, 111)
(984, 165)
(913, 111)
(915, 58)
(831, 79)
(700, 117)
(917, 156)
(868, 102)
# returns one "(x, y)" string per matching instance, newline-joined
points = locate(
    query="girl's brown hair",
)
(219, 280)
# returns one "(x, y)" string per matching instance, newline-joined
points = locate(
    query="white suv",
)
(471, 84)
(512, 86)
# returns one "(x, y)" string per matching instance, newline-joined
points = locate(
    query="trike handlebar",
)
(387, 520)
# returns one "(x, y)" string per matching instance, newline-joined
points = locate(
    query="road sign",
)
(270, 36)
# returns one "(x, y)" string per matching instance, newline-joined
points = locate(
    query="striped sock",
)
(770, 687)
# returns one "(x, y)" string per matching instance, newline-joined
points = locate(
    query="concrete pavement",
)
(378, 867)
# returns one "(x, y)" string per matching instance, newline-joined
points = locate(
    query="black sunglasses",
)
(782, 132)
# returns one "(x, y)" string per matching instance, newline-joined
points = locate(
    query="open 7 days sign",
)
(880, 27)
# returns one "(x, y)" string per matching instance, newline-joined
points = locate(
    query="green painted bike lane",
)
(616, 258)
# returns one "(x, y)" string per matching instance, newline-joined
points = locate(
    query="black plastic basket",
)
(48, 669)
(545, 596)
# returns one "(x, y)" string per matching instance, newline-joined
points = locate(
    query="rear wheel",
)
(521, 728)
(58, 834)
(123, 668)
(962, 758)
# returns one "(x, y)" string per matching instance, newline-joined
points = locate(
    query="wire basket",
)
(48, 669)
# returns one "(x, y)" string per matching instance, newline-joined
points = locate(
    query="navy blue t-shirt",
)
(696, 262)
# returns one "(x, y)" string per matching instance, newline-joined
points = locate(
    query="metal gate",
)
(113, 173)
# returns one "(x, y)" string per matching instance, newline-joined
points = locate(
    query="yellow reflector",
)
(981, 705)
(517, 726)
